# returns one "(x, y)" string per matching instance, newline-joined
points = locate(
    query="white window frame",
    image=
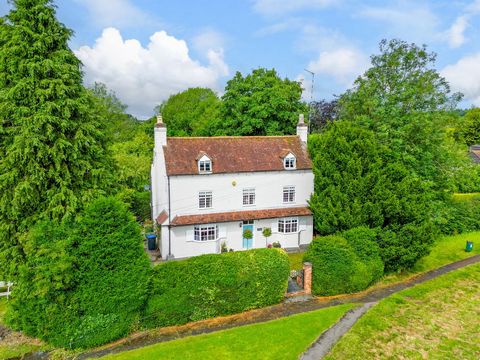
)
(288, 194)
(205, 199)
(288, 225)
(290, 162)
(208, 232)
(205, 165)
(248, 197)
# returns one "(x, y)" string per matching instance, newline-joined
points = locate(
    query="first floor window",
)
(248, 196)
(205, 166)
(287, 225)
(289, 194)
(205, 232)
(205, 199)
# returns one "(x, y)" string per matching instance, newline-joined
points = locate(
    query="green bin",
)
(469, 246)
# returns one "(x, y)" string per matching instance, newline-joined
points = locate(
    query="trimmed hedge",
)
(213, 285)
(340, 266)
(363, 242)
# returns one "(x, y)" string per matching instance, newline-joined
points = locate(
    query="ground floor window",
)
(288, 225)
(205, 232)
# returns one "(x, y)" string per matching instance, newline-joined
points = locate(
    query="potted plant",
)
(267, 232)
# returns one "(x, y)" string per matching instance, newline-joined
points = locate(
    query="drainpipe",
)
(298, 242)
(169, 256)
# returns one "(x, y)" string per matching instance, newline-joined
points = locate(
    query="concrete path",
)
(325, 342)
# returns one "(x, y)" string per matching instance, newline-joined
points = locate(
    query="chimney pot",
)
(301, 119)
(159, 119)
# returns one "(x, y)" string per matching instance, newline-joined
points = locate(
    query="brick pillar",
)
(307, 277)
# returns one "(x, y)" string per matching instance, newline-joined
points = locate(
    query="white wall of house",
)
(227, 191)
(183, 245)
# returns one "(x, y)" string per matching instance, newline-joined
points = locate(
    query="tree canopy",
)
(260, 103)
(191, 112)
(470, 128)
(53, 154)
(409, 106)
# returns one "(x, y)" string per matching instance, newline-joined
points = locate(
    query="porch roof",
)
(240, 216)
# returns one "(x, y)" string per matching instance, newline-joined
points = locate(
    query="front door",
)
(247, 225)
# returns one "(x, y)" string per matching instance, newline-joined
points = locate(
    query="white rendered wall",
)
(184, 246)
(227, 191)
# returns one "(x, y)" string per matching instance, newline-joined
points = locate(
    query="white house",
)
(207, 191)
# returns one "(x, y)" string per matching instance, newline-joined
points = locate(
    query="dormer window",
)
(290, 162)
(205, 165)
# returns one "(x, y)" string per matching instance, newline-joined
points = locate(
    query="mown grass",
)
(296, 260)
(446, 250)
(435, 320)
(284, 338)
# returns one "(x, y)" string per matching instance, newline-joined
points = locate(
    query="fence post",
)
(307, 278)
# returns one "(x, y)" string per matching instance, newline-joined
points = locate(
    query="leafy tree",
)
(260, 103)
(191, 112)
(408, 105)
(322, 113)
(53, 155)
(471, 127)
(357, 183)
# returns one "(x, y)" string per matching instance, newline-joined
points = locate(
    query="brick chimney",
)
(302, 129)
(160, 132)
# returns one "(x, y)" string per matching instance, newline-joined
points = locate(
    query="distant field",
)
(465, 197)
(284, 338)
(435, 320)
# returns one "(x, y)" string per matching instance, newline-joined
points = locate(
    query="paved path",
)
(273, 312)
(325, 342)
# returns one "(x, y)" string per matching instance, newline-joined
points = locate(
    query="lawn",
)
(434, 320)
(284, 338)
(446, 250)
(296, 260)
(465, 196)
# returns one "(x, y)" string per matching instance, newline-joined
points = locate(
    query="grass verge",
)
(284, 338)
(296, 260)
(434, 320)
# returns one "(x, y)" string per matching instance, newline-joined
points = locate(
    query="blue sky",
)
(146, 50)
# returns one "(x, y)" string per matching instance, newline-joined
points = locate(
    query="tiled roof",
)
(240, 216)
(162, 217)
(230, 154)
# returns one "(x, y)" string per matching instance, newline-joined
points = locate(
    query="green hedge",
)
(213, 285)
(340, 266)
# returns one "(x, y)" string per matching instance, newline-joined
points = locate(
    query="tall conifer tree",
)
(53, 154)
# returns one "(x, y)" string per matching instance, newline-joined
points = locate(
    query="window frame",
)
(288, 225)
(207, 197)
(250, 195)
(290, 162)
(290, 192)
(203, 163)
(206, 232)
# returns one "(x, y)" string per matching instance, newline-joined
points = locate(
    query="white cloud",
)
(144, 76)
(407, 20)
(117, 13)
(464, 76)
(209, 39)
(279, 7)
(343, 64)
(455, 35)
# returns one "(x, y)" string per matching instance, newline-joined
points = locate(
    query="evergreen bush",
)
(217, 284)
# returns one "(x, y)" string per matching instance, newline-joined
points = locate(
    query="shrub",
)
(460, 215)
(363, 242)
(110, 261)
(84, 282)
(213, 285)
(335, 267)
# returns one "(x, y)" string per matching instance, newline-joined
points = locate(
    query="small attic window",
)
(204, 165)
(290, 162)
